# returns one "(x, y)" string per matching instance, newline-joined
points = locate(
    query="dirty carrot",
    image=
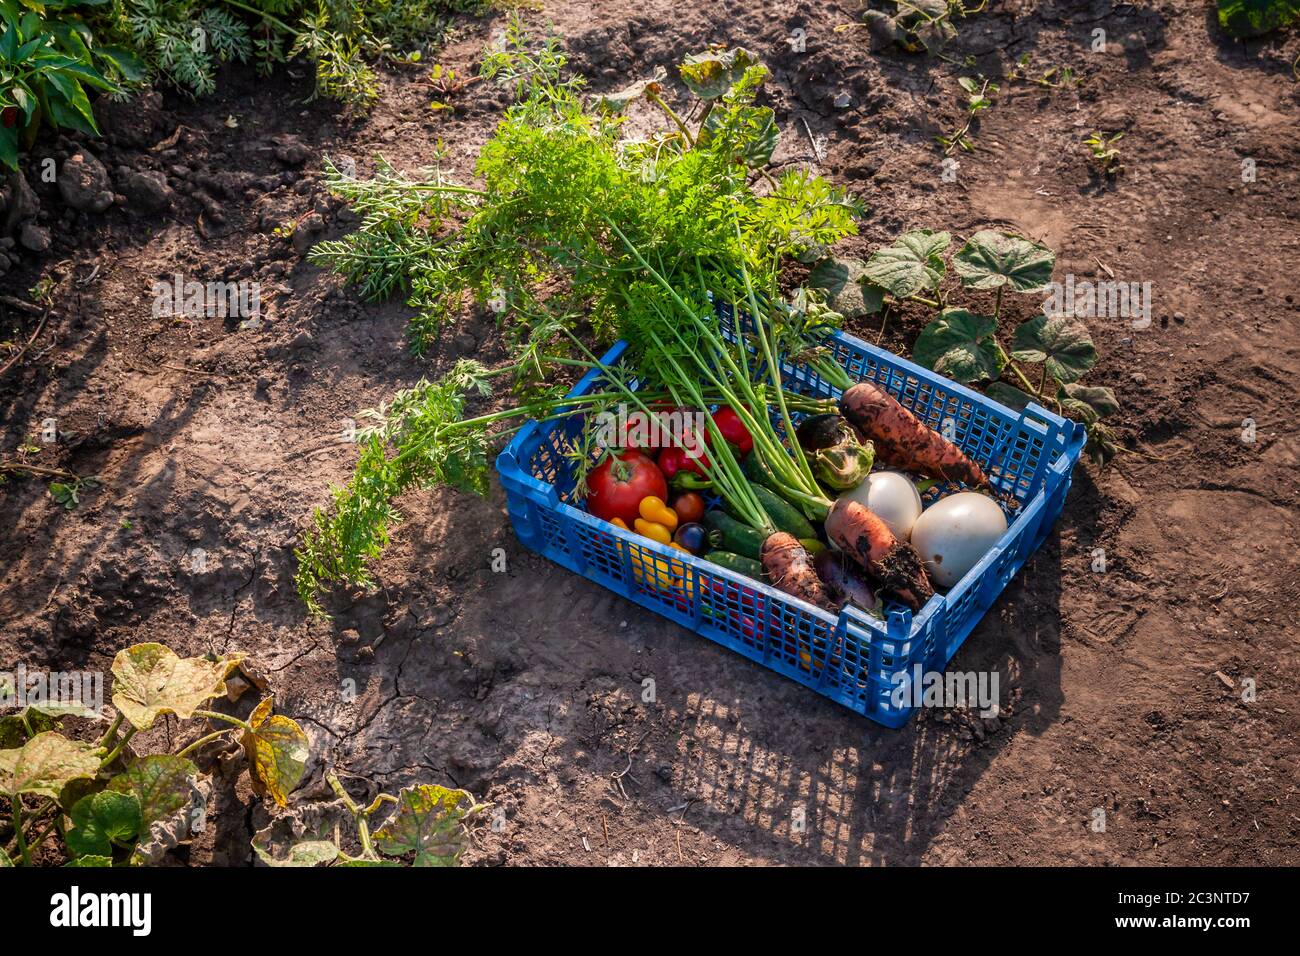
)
(904, 441)
(894, 564)
(788, 565)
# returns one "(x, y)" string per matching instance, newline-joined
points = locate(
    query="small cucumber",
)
(783, 514)
(757, 472)
(812, 545)
(736, 537)
(736, 562)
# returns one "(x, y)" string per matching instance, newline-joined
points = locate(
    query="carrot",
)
(790, 568)
(902, 440)
(893, 564)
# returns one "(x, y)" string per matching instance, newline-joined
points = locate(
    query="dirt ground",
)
(1122, 690)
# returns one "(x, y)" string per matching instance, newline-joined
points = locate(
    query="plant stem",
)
(1008, 363)
(18, 831)
(116, 751)
(264, 15)
(213, 715)
(358, 816)
(111, 732)
(203, 740)
(655, 98)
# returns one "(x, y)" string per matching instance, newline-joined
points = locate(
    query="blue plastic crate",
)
(853, 658)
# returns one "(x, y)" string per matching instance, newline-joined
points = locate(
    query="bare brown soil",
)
(1123, 688)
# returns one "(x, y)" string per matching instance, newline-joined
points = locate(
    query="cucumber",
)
(736, 562)
(757, 472)
(737, 538)
(812, 545)
(783, 514)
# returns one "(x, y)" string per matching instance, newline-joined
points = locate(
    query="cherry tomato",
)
(689, 507)
(693, 537)
(617, 485)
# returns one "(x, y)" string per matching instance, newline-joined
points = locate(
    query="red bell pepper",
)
(733, 430)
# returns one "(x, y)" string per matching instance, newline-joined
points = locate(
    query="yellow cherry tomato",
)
(654, 531)
(654, 509)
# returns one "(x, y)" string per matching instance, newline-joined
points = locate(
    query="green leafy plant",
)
(111, 805)
(48, 68)
(902, 270)
(185, 41)
(447, 84)
(964, 345)
(579, 235)
(978, 92)
(1053, 78)
(65, 487)
(915, 25)
(427, 825)
(1251, 18)
(68, 493)
(1104, 152)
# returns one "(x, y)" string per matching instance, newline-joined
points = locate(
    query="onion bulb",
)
(892, 497)
(954, 534)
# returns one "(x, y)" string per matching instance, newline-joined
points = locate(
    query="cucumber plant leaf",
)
(960, 344)
(160, 783)
(847, 291)
(101, 819)
(428, 822)
(15, 729)
(150, 679)
(710, 75)
(354, 861)
(1101, 446)
(277, 750)
(991, 259)
(1063, 343)
(58, 709)
(45, 764)
(311, 849)
(619, 100)
(1013, 398)
(910, 264)
(1089, 402)
(91, 860)
(1252, 18)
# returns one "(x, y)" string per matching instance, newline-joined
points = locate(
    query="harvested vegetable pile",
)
(580, 235)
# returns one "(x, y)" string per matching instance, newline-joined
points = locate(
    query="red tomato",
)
(689, 508)
(617, 485)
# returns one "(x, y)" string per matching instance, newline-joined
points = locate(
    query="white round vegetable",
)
(953, 534)
(892, 497)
